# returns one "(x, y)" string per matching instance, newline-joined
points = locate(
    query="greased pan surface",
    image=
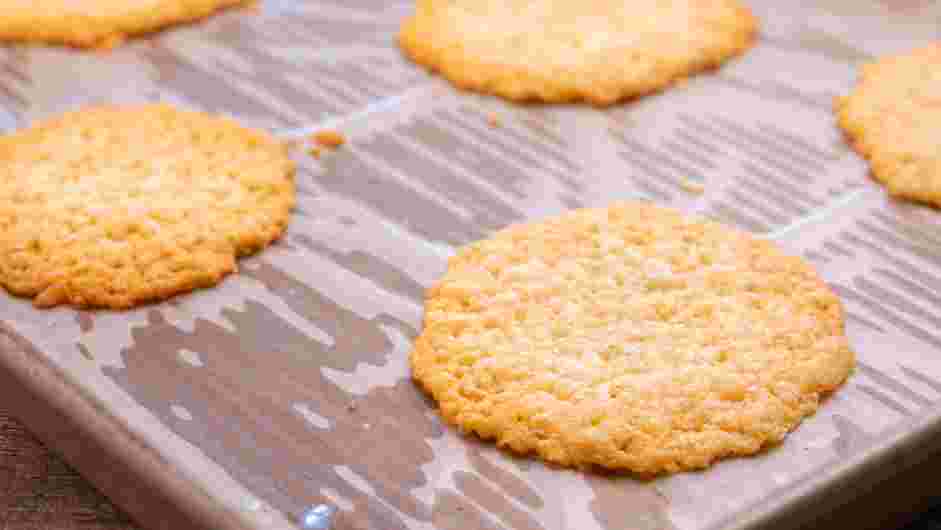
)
(284, 393)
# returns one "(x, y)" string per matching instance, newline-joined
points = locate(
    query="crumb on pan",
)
(329, 138)
(692, 186)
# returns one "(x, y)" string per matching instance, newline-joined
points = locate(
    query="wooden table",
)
(38, 491)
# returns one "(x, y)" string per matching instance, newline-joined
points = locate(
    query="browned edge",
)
(881, 488)
(124, 467)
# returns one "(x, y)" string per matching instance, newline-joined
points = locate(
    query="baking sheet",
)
(284, 393)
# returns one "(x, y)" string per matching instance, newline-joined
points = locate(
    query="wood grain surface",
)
(39, 491)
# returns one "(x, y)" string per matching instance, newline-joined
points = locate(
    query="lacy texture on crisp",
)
(113, 206)
(893, 118)
(630, 337)
(98, 23)
(557, 51)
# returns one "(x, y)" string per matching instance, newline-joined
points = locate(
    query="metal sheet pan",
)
(285, 391)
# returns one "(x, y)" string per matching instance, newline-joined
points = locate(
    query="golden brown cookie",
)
(630, 337)
(97, 23)
(558, 50)
(114, 206)
(893, 118)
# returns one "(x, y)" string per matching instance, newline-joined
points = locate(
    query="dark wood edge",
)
(97, 445)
